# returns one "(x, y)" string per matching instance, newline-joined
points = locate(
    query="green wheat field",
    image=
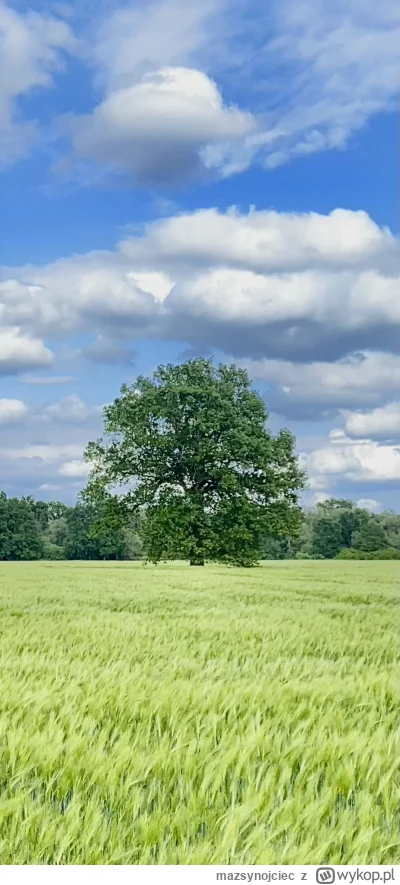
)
(199, 716)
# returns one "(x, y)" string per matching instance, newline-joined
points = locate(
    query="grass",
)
(198, 716)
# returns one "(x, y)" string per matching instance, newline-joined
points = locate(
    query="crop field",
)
(199, 716)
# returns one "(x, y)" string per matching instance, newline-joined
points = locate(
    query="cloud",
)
(49, 453)
(295, 287)
(364, 462)
(109, 351)
(70, 410)
(45, 449)
(170, 126)
(380, 423)
(19, 351)
(309, 74)
(76, 469)
(339, 66)
(266, 241)
(369, 504)
(31, 47)
(86, 292)
(46, 380)
(132, 41)
(320, 389)
(12, 411)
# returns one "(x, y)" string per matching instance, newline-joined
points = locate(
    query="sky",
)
(184, 179)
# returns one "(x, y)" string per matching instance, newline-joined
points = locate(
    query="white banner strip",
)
(196, 875)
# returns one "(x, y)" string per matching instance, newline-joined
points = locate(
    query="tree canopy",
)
(190, 445)
(53, 530)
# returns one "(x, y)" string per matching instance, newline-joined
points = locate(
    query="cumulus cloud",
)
(380, 423)
(20, 351)
(163, 128)
(70, 410)
(76, 469)
(311, 75)
(31, 47)
(43, 447)
(365, 462)
(12, 411)
(316, 389)
(90, 292)
(266, 241)
(370, 504)
(298, 287)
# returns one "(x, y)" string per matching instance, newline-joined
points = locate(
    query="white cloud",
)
(364, 462)
(364, 378)
(47, 452)
(311, 74)
(30, 52)
(162, 128)
(75, 469)
(266, 241)
(318, 498)
(369, 504)
(380, 423)
(87, 292)
(46, 380)
(20, 351)
(45, 449)
(277, 284)
(12, 411)
(134, 40)
(340, 67)
(70, 410)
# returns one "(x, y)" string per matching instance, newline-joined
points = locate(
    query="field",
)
(174, 715)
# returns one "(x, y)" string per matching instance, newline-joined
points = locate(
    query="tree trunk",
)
(197, 551)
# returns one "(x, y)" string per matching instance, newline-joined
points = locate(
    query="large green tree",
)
(190, 445)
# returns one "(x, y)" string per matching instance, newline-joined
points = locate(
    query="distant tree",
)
(57, 531)
(79, 544)
(275, 548)
(370, 537)
(326, 537)
(82, 544)
(20, 538)
(192, 444)
(349, 517)
(390, 523)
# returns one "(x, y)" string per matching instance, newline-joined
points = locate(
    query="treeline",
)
(32, 529)
(336, 528)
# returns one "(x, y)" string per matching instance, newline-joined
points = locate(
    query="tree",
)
(371, 537)
(20, 537)
(79, 544)
(326, 537)
(390, 523)
(191, 447)
(349, 517)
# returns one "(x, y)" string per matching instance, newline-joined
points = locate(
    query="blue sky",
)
(210, 178)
